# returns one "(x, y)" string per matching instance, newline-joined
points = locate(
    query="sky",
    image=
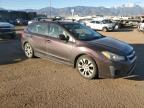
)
(38, 4)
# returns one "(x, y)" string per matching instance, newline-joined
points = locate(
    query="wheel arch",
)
(91, 56)
(25, 43)
(105, 27)
(76, 58)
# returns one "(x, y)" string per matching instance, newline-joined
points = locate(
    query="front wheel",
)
(28, 50)
(87, 67)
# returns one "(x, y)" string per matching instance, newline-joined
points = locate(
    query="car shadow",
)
(138, 73)
(11, 51)
(124, 29)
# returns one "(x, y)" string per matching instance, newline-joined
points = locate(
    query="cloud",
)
(129, 5)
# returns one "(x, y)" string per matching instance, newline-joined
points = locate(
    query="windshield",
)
(107, 21)
(82, 32)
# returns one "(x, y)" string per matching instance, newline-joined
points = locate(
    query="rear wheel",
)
(87, 67)
(105, 29)
(28, 50)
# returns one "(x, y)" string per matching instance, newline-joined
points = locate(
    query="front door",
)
(57, 48)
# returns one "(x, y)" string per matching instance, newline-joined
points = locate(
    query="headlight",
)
(11, 25)
(112, 56)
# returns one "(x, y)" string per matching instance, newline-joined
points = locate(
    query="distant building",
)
(5, 14)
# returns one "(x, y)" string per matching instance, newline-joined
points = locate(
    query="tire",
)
(87, 67)
(28, 50)
(105, 29)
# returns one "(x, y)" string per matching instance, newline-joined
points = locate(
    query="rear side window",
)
(39, 28)
(97, 22)
(92, 21)
(106, 21)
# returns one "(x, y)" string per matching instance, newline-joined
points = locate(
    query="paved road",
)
(39, 83)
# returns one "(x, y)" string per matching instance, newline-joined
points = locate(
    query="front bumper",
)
(121, 69)
(7, 33)
(111, 69)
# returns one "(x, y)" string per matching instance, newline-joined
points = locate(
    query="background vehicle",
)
(37, 19)
(105, 25)
(6, 29)
(141, 26)
(21, 22)
(93, 54)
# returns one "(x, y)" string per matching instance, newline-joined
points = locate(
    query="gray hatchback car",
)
(93, 54)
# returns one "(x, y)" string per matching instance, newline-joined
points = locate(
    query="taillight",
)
(22, 34)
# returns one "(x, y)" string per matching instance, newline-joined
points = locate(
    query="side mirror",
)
(63, 37)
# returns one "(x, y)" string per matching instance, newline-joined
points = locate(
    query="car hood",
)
(3, 24)
(113, 45)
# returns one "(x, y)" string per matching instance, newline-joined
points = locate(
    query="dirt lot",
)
(39, 83)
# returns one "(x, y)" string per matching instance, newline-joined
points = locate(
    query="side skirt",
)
(52, 58)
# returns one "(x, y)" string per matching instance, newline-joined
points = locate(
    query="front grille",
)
(131, 68)
(131, 55)
(5, 29)
(2, 27)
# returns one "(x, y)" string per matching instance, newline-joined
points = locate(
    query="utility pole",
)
(50, 8)
(72, 12)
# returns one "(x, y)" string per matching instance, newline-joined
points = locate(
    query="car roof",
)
(57, 22)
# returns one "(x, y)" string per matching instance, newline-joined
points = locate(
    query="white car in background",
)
(104, 25)
(36, 20)
(141, 26)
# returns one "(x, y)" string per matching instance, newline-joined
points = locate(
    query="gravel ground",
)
(39, 83)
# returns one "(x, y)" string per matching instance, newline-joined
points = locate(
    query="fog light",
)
(112, 70)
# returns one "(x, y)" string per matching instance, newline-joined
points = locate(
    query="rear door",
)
(92, 24)
(38, 36)
(98, 25)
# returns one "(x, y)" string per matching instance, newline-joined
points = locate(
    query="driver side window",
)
(56, 30)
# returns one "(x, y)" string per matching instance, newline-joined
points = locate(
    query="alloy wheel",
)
(28, 50)
(86, 67)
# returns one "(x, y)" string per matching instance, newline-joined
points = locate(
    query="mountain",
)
(2, 8)
(78, 10)
(29, 10)
(123, 10)
(85, 11)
